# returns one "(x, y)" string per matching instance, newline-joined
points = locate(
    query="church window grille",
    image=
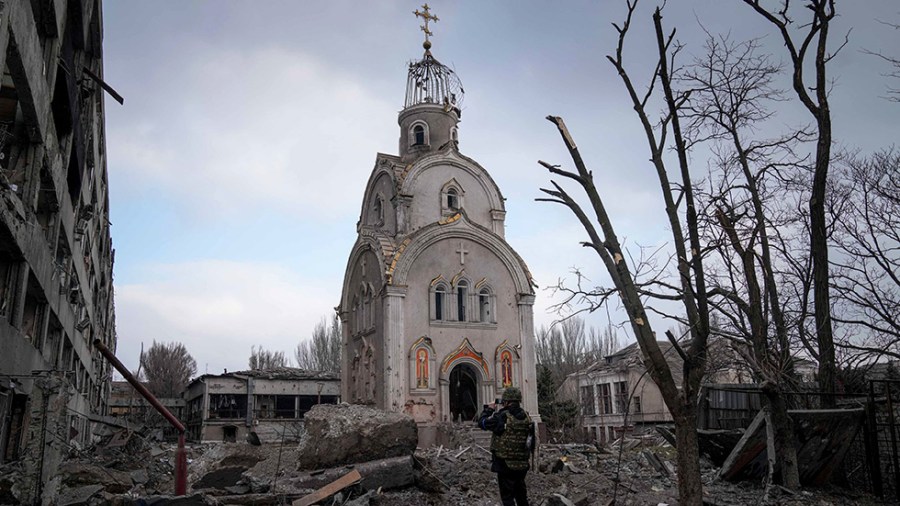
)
(462, 291)
(440, 302)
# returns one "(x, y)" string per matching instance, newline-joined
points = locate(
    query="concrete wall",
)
(56, 254)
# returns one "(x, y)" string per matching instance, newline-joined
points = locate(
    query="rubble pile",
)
(634, 470)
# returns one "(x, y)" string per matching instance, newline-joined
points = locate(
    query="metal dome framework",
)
(431, 82)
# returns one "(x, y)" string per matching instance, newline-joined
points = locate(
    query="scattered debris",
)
(329, 490)
(823, 438)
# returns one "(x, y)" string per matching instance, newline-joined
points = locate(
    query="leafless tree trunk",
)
(814, 36)
(691, 289)
(731, 86)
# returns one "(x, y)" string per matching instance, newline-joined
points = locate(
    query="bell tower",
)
(432, 109)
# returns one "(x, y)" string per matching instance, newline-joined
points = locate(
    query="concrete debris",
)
(140, 472)
(346, 434)
(330, 489)
(78, 496)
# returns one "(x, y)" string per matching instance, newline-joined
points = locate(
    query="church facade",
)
(436, 305)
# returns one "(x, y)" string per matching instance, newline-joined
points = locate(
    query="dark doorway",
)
(463, 393)
(229, 433)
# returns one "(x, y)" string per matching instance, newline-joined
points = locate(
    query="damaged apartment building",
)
(56, 255)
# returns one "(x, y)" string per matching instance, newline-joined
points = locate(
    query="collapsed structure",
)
(436, 305)
(227, 407)
(56, 254)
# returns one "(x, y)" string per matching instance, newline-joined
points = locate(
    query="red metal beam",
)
(180, 457)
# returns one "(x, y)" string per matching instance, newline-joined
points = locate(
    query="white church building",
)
(436, 305)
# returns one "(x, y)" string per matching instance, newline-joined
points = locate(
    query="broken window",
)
(605, 399)
(587, 400)
(35, 311)
(9, 276)
(227, 406)
(636, 404)
(621, 388)
(276, 406)
(11, 135)
(306, 402)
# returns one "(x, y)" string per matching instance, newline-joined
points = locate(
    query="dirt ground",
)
(456, 474)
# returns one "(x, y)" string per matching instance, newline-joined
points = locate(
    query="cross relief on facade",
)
(462, 253)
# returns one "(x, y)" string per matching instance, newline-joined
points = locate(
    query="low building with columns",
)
(436, 305)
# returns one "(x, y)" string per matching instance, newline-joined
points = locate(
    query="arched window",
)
(418, 135)
(452, 199)
(440, 302)
(484, 306)
(379, 210)
(454, 134)
(462, 290)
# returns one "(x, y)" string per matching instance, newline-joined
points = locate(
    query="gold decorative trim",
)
(389, 273)
(456, 278)
(437, 279)
(499, 349)
(480, 284)
(463, 351)
(450, 219)
(422, 340)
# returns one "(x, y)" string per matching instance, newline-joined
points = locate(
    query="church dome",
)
(431, 82)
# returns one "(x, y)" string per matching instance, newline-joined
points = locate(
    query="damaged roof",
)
(277, 373)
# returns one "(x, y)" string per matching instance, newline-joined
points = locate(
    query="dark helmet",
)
(512, 394)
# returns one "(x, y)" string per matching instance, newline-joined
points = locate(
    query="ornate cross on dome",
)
(427, 16)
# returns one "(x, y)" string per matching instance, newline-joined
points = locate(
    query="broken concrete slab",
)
(387, 474)
(220, 478)
(77, 496)
(330, 489)
(823, 437)
(76, 474)
(347, 434)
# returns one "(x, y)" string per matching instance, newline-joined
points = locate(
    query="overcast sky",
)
(249, 129)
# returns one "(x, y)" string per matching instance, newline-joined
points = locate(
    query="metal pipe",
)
(180, 458)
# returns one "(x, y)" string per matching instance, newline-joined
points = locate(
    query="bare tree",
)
(262, 359)
(893, 63)
(866, 279)
(813, 94)
(731, 87)
(167, 368)
(680, 203)
(322, 352)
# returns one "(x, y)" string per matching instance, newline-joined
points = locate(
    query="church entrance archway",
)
(463, 393)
